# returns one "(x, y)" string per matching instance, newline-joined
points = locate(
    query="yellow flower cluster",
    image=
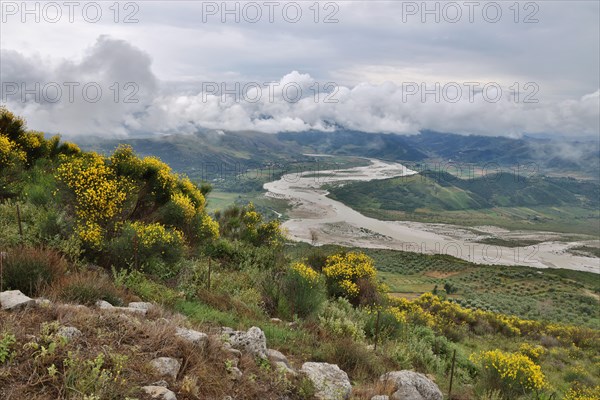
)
(346, 269)
(398, 314)
(515, 370)
(91, 233)
(583, 393)
(150, 235)
(209, 227)
(165, 178)
(192, 191)
(532, 351)
(186, 206)
(251, 218)
(10, 153)
(307, 273)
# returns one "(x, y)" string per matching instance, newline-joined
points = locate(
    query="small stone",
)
(380, 397)
(192, 336)
(280, 361)
(69, 332)
(14, 300)
(276, 320)
(166, 366)
(235, 373)
(159, 392)
(162, 383)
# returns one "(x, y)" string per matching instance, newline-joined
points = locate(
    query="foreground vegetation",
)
(78, 227)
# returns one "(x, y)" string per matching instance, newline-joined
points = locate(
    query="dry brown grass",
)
(378, 387)
(86, 287)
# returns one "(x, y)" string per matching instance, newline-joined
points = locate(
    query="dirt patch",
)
(441, 274)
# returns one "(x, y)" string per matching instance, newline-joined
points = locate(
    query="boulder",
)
(280, 361)
(159, 392)
(14, 300)
(410, 385)
(330, 382)
(253, 341)
(194, 337)
(166, 366)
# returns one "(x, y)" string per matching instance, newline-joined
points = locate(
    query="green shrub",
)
(340, 319)
(152, 246)
(388, 326)
(303, 292)
(30, 269)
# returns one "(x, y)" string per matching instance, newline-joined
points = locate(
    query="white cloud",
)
(384, 106)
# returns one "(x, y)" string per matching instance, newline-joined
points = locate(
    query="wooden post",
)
(1, 268)
(136, 258)
(19, 222)
(377, 329)
(451, 375)
(209, 271)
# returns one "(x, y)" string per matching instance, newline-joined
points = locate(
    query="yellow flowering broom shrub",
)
(344, 271)
(98, 194)
(512, 373)
(164, 196)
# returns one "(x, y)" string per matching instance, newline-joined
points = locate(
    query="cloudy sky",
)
(142, 67)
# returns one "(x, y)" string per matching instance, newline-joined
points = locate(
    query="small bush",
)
(145, 288)
(387, 327)
(7, 341)
(303, 292)
(86, 287)
(31, 269)
(340, 319)
(355, 358)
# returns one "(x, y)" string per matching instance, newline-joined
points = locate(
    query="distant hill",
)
(442, 191)
(555, 154)
(210, 153)
(344, 142)
(196, 152)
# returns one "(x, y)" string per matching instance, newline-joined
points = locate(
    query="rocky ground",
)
(167, 358)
